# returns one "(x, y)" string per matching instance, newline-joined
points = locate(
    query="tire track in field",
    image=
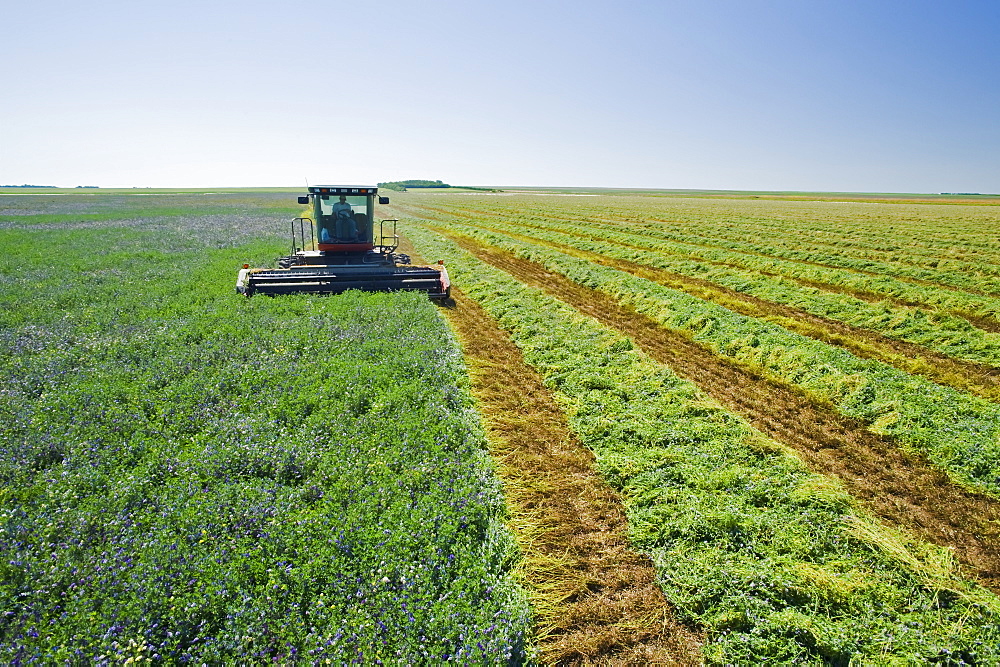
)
(597, 600)
(980, 322)
(902, 488)
(976, 378)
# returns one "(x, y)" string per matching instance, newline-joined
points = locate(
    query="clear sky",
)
(846, 95)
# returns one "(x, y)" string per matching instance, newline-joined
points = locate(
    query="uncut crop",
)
(187, 475)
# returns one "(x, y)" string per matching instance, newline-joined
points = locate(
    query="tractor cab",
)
(343, 217)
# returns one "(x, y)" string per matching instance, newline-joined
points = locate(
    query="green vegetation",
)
(959, 432)
(794, 286)
(190, 476)
(402, 186)
(778, 564)
(187, 475)
(958, 251)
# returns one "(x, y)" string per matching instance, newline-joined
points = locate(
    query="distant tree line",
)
(402, 185)
(27, 186)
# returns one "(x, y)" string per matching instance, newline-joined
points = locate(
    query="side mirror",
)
(303, 200)
(383, 200)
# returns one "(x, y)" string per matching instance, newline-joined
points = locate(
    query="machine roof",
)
(343, 189)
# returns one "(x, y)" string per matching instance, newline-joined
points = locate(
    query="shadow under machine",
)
(341, 248)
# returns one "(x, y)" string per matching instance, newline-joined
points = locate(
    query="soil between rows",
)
(902, 488)
(597, 600)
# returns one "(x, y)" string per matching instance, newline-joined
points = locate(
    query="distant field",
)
(789, 195)
(730, 428)
(888, 197)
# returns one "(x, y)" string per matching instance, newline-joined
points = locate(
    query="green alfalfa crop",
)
(191, 475)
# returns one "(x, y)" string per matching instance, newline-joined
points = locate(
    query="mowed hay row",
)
(950, 352)
(904, 229)
(774, 561)
(956, 431)
(951, 322)
(950, 245)
(902, 488)
(972, 305)
(596, 600)
(896, 308)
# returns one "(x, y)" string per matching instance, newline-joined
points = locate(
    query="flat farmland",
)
(646, 429)
(190, 476)
(796, 400)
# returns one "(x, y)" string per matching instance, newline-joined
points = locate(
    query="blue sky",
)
(781, 95)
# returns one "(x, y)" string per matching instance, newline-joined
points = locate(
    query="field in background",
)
(790, 195)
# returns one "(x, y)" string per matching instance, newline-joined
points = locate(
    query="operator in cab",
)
(347, 227)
